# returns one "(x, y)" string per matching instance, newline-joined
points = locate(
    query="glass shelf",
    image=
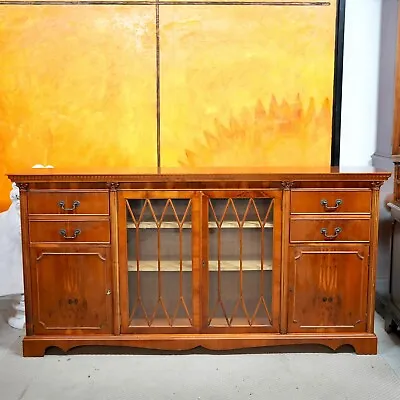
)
(188, 225)
(247, 265)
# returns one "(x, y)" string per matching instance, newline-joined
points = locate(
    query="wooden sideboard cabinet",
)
(218, 258)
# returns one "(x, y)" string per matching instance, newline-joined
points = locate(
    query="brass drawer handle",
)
(63, 233)
(324, 203)
(75, 205)
(324, 231)
(72, 301)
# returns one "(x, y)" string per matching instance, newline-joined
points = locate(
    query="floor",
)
(307, 375)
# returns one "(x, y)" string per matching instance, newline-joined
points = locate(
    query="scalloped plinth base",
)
(35, 346)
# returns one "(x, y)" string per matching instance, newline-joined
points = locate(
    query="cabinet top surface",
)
(198, 174)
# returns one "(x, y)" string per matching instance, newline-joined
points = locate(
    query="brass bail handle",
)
(338, 202)
(324, 232)
(63, 233)
(75, 205)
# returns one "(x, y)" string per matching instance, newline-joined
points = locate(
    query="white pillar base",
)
(18, 320)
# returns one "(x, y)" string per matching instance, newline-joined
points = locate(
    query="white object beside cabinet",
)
(11, 277)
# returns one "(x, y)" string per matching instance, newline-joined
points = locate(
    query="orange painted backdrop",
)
(246, 85)
(239, 85)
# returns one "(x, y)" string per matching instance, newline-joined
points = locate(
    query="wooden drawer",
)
(69, 202)
(330, 230)
(307, 201)
(69, 231)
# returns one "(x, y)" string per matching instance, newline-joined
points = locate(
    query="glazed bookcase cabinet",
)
(176, 259)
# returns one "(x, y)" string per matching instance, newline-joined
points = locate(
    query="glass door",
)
(243, 256)
(159, 259)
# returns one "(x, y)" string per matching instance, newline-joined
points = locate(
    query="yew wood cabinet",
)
(218, 258)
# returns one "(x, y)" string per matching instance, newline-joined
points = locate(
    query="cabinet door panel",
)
(241, 253)
(72, 289)
(159, 262)
(328, 288)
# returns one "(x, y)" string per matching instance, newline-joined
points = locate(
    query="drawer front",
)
(330, 201)
(330, 230)
(69, 231)
(69, 202)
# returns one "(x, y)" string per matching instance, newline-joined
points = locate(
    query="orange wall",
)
(246, 85)
(239, 85)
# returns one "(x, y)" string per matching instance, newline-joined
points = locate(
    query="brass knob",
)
(108, 292)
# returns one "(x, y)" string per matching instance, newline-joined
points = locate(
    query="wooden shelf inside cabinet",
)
(174, 266)
(239, 321)
(188, 225)
(161, 323)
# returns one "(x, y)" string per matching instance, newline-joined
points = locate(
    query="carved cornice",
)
(285, 180)
(287, 185)
(23, 187)
(113, 186)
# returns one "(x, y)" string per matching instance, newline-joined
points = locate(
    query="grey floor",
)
(308, 374)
